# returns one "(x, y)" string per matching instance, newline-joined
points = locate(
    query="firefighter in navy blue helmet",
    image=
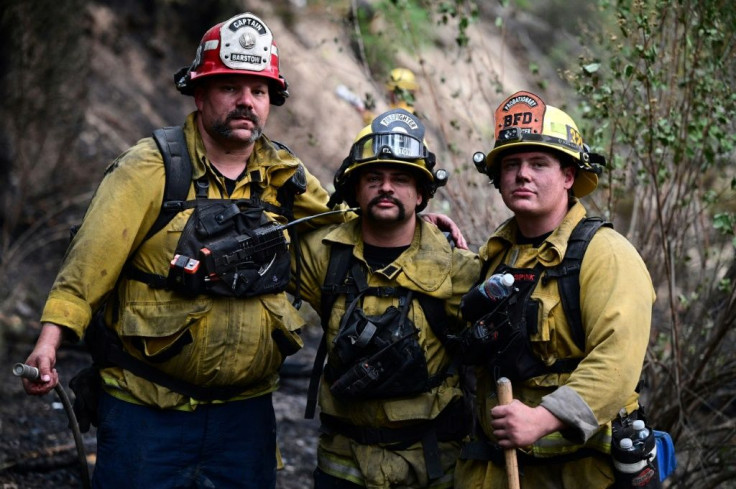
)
(391, 405)
(567, 392)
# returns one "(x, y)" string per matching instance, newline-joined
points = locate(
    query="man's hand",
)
(446, 224)
(43, 357)
(517, 425)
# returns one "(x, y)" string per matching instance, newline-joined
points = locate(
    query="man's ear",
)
(198, 96)
(570, 171)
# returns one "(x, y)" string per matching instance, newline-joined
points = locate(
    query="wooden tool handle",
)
(505, 396)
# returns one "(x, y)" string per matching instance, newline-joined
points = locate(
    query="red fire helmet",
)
(242, 45)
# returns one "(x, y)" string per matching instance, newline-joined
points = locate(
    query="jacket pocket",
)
(161, 330)
(286, 323)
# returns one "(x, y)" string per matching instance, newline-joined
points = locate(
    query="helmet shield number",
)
(396, 146)
(246, 43)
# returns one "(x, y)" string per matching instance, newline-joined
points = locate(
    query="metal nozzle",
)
(25, 371)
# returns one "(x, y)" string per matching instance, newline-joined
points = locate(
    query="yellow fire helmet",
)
(525, 122)
(394, 137)
(402, 78)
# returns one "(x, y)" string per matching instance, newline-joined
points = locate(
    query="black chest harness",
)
(500, 336)
(228, 247)
(378, 357)
(374, 357)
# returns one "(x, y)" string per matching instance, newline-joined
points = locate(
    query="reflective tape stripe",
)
(342, 468)
(556, 444)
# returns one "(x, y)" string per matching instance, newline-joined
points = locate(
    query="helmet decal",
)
(246, 43)
(523, 122)
(523, 110)
(399, 120)
(573, 136)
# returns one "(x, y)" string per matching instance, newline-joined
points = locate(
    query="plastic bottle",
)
(626, 444)
(497, 286)
(641, 433)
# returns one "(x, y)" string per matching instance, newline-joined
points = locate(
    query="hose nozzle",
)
(26, 371)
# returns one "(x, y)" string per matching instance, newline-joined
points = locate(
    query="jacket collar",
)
(264, 159)
(425, 265)
(551, 251)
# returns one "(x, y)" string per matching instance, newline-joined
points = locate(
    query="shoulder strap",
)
(434, 310)
(567, 274)
(178, 168)
(178, 171)
(341, 256)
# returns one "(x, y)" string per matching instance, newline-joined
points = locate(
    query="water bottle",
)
(641, 433)
(626, 444)
(497, 286)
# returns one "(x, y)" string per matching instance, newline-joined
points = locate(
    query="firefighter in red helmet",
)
(186, 400)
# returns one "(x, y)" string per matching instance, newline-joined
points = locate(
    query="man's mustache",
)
(244, 113)
(376, 200)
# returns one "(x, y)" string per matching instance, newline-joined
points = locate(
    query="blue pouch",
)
(666, 459)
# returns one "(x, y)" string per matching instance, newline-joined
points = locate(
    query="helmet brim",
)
(586, 181)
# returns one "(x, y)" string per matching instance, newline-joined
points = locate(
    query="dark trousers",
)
(230, 445)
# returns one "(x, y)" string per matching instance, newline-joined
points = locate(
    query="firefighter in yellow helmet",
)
(387, 286)
(574, 373)
(401, 88)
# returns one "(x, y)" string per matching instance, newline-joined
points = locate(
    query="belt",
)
(449, 425)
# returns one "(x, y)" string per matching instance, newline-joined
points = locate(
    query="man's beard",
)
(375, 201)
(223, 129)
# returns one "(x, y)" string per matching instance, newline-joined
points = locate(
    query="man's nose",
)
(523, 171)
(386, 184)
(245, 98)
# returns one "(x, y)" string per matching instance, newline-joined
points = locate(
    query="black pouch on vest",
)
(377, 357)
(228, 251)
